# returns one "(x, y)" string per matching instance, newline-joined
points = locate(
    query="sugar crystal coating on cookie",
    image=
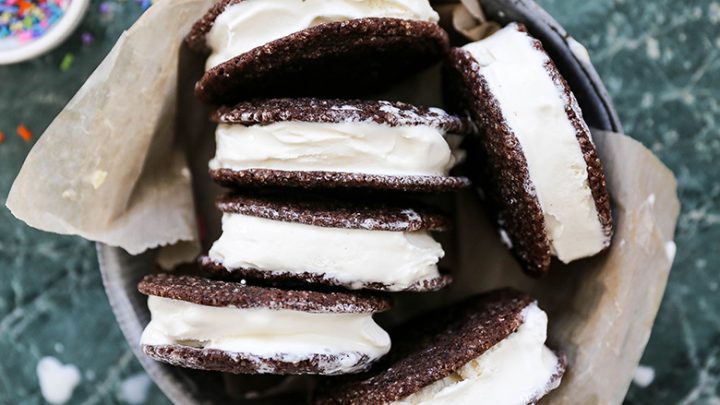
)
(319, 143)
(541, 171)
(313, 47)
(487, 349)
(338, 242)
(335, 212)
(237, 328)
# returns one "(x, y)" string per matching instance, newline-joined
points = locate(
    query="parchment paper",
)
(110, 169)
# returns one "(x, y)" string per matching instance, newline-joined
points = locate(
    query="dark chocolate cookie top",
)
(216, 293)
(353, 58)
(431, 347)
(334, 213)
(391, 113)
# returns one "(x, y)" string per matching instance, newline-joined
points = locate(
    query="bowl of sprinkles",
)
(29, 28)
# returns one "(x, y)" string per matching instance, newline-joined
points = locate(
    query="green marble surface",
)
(661, 63)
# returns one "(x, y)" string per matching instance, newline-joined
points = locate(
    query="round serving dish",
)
(14, 51)
(121, 272)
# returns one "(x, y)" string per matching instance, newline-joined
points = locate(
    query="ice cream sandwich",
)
(237, 328)
(316, 143)
(487, 350)
(539, 168)
(262, 48)
(333, 242)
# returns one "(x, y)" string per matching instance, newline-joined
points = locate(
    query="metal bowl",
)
(121, 272)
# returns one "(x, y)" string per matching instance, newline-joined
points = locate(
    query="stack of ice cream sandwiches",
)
(318, 230)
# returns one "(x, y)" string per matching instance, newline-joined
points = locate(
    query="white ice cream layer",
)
(286, 335)
(252, 23)
(513, 372)
(351, 256)
(354, 147)
(533, 106)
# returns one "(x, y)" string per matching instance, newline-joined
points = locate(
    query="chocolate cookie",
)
(391, 113)
(215, 293)
(461, 354)
(534, 157)
(324, 179)
(238, 328)
(355, 56)
(300, 239)
(334, 212)
(326, 144)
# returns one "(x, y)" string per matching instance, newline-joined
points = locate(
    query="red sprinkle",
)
(2, 136)
(24, 133)
(24, 6)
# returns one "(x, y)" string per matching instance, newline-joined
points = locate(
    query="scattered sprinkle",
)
(24, 133)
(57, 380)
(86, 38)
(98, 178)
(144, 4)
(27, 20)
(134, 389)
(644, 376)
(104, 8)
(2, 136)
(67, 62)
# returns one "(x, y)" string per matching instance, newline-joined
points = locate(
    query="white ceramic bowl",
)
(14, 51)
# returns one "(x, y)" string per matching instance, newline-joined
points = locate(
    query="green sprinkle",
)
(67, 61)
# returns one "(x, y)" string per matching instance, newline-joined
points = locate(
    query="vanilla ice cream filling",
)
(533, 107)
(285, 335)
(352, 257)
(353, 147)
(515, 371)
(248, 24)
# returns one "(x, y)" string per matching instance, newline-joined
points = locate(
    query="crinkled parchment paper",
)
(110, 169)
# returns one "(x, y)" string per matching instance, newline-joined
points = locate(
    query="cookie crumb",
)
(98, 178)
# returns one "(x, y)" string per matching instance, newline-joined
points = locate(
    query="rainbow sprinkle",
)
(29, 19)
(24, 133)
(87, 38)
(66, 62)
(144, 4)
